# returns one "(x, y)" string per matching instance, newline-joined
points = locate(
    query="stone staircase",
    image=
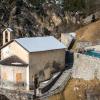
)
(64, 77)
(45, 86)
(59, 85)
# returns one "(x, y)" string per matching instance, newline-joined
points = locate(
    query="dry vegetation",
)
(90, 32)
(76, 90)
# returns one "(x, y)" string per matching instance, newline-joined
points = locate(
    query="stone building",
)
(68, 39)
(96, 47)
(23, 58)
(83, 44)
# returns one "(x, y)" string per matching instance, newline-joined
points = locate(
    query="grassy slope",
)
(90, 32)
(70, 94)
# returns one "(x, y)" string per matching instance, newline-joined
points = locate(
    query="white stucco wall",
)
(66, 38)
(15, 49)
(8, 73)
(38, 61)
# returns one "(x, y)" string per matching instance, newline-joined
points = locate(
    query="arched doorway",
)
(3, 97)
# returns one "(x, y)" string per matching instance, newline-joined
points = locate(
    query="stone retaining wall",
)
(86, 67)
(15, 95)
(12, 85)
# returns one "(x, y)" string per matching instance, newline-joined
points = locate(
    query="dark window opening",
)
(6, 36)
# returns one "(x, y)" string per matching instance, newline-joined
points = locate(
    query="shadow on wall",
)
(3, 97)
(69, 59)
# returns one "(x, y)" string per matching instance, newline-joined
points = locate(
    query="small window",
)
(6, 36)
(18, 77)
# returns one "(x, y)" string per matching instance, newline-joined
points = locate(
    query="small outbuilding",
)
(68, 39)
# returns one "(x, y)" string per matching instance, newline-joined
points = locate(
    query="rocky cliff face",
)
(29, 20)
(25, 21)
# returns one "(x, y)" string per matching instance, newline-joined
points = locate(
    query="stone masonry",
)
(15, 95)
(86, 67)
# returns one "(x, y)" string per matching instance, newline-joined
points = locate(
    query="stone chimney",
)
(7, 35)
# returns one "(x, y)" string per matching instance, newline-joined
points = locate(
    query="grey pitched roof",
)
(36, 44)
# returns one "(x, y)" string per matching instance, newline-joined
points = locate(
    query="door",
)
(18, 77)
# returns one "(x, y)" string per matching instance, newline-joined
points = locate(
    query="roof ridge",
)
(37, 44)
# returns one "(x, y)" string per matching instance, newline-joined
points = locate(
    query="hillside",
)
(30, 18)
(77, 89)
(89, 32)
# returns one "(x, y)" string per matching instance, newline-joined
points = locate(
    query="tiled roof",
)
(36, 44)
(13, 61)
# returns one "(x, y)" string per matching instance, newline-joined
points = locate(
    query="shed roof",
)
(36, 44)
(9, 29)
(13, 61)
